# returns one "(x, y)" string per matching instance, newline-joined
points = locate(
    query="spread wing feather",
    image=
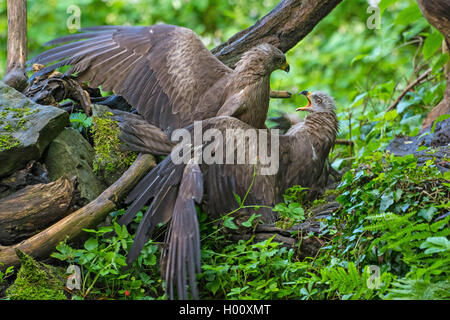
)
(161, 70)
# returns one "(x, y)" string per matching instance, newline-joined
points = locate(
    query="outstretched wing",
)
(161, 70)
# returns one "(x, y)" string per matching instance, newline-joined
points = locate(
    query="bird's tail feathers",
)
(181, 258)
(174, 188)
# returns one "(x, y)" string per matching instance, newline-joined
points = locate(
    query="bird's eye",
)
(319, 101)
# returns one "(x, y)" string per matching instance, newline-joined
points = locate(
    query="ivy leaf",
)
(213, 286)
(248, 223)
(228, 223)
(427, 213)
(390, 115)
(387, 199)
(118, 230)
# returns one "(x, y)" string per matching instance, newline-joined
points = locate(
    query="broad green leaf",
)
(432, 43)
(384, 4)
(91, 244)
(390, 115)
(408, 15)
(435, 244)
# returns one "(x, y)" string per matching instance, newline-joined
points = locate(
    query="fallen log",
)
(70, 227)
(31, 209)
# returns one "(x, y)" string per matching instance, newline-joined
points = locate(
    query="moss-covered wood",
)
(36, 281)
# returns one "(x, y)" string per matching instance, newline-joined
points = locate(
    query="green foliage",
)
(6, 273)
(291, 211)
(392, 211)
(348, 283)
(102, 260)
(247, 270)
(410, 289)
(80, 121)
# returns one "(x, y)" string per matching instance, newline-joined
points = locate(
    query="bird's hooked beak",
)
(285, 67)
(307, 94)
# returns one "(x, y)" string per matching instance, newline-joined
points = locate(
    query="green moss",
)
(7, 142)
(13, 118)
(285, 223)
(36, 281)
(332, 192)
(317, 202)
(109, 159)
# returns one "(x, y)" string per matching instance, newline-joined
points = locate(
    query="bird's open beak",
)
(285, 67)
(307, 94)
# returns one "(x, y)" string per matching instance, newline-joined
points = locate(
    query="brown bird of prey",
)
(168, 75)
(173, 188)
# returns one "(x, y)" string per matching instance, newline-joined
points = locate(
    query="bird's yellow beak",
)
(285, 67)
(307, 94)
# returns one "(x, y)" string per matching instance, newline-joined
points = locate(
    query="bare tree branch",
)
(288, 23)
(17, 34)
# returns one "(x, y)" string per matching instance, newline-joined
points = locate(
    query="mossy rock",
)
(26, 129)
(72, 155)
(36, 281)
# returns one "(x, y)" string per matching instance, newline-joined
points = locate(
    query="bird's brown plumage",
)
(167, 74)
(175, 188)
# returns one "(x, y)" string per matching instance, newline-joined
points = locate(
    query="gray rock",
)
(71, 155)
(437, 145)
(26, 129)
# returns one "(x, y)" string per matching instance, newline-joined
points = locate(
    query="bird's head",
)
(264, 59)
(318, 101)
